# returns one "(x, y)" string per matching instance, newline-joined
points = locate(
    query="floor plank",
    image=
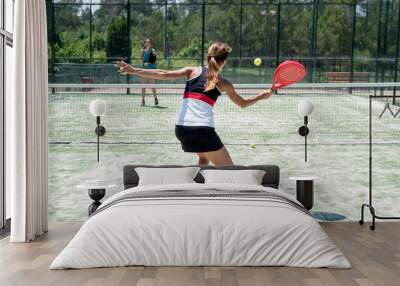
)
(375, 257)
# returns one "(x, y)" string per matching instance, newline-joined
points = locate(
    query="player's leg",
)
(203, 159)
(220, 157)
(143, 80)
(154, 93)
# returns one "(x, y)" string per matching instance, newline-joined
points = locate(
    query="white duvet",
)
(200, 231)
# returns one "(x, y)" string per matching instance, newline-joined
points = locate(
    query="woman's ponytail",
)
(212, 74)
(216, 57)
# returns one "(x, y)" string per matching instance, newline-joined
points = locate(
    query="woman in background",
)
(149, 61)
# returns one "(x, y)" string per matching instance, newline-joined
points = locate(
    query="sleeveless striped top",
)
(198, 105)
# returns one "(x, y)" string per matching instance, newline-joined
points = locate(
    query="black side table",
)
(96, 192)
(96, 195)
(305, 190)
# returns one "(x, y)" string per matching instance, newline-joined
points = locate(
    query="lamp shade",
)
(97, 107)
(305, 107)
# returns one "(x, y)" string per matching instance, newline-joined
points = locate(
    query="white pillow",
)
(247, 177)
(166, 176)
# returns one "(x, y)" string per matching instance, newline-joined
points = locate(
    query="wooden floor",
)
(375, 257)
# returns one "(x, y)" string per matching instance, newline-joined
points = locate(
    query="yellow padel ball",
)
(257, 61)
(252, 146)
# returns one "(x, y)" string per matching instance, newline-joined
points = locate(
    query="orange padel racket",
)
(287, 73)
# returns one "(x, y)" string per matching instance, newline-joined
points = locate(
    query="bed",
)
(197, 224)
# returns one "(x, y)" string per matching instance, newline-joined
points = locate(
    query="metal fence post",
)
(129, 58)
(240, 35)
(385, 39)
(90, 34)
(203, 21)
(313, 38)
(396, 63)
(378, 44)
(53, 50)
(165, 30)
(278, 32)
(353, 35)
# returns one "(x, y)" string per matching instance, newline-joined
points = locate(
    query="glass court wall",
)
(359, 37)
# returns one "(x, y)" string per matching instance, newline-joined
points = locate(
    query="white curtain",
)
(26, 117)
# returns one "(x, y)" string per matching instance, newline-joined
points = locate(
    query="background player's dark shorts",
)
(198, 139)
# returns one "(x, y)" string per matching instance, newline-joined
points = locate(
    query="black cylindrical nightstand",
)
(305, 190)
(96, 195)
(96, 192)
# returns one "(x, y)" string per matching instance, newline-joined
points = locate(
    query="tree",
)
(117, 38)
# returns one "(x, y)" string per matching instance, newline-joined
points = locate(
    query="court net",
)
(341, 114)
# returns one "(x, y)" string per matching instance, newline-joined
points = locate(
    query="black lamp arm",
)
(303, 131)
(100, 131)
(305, 120)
